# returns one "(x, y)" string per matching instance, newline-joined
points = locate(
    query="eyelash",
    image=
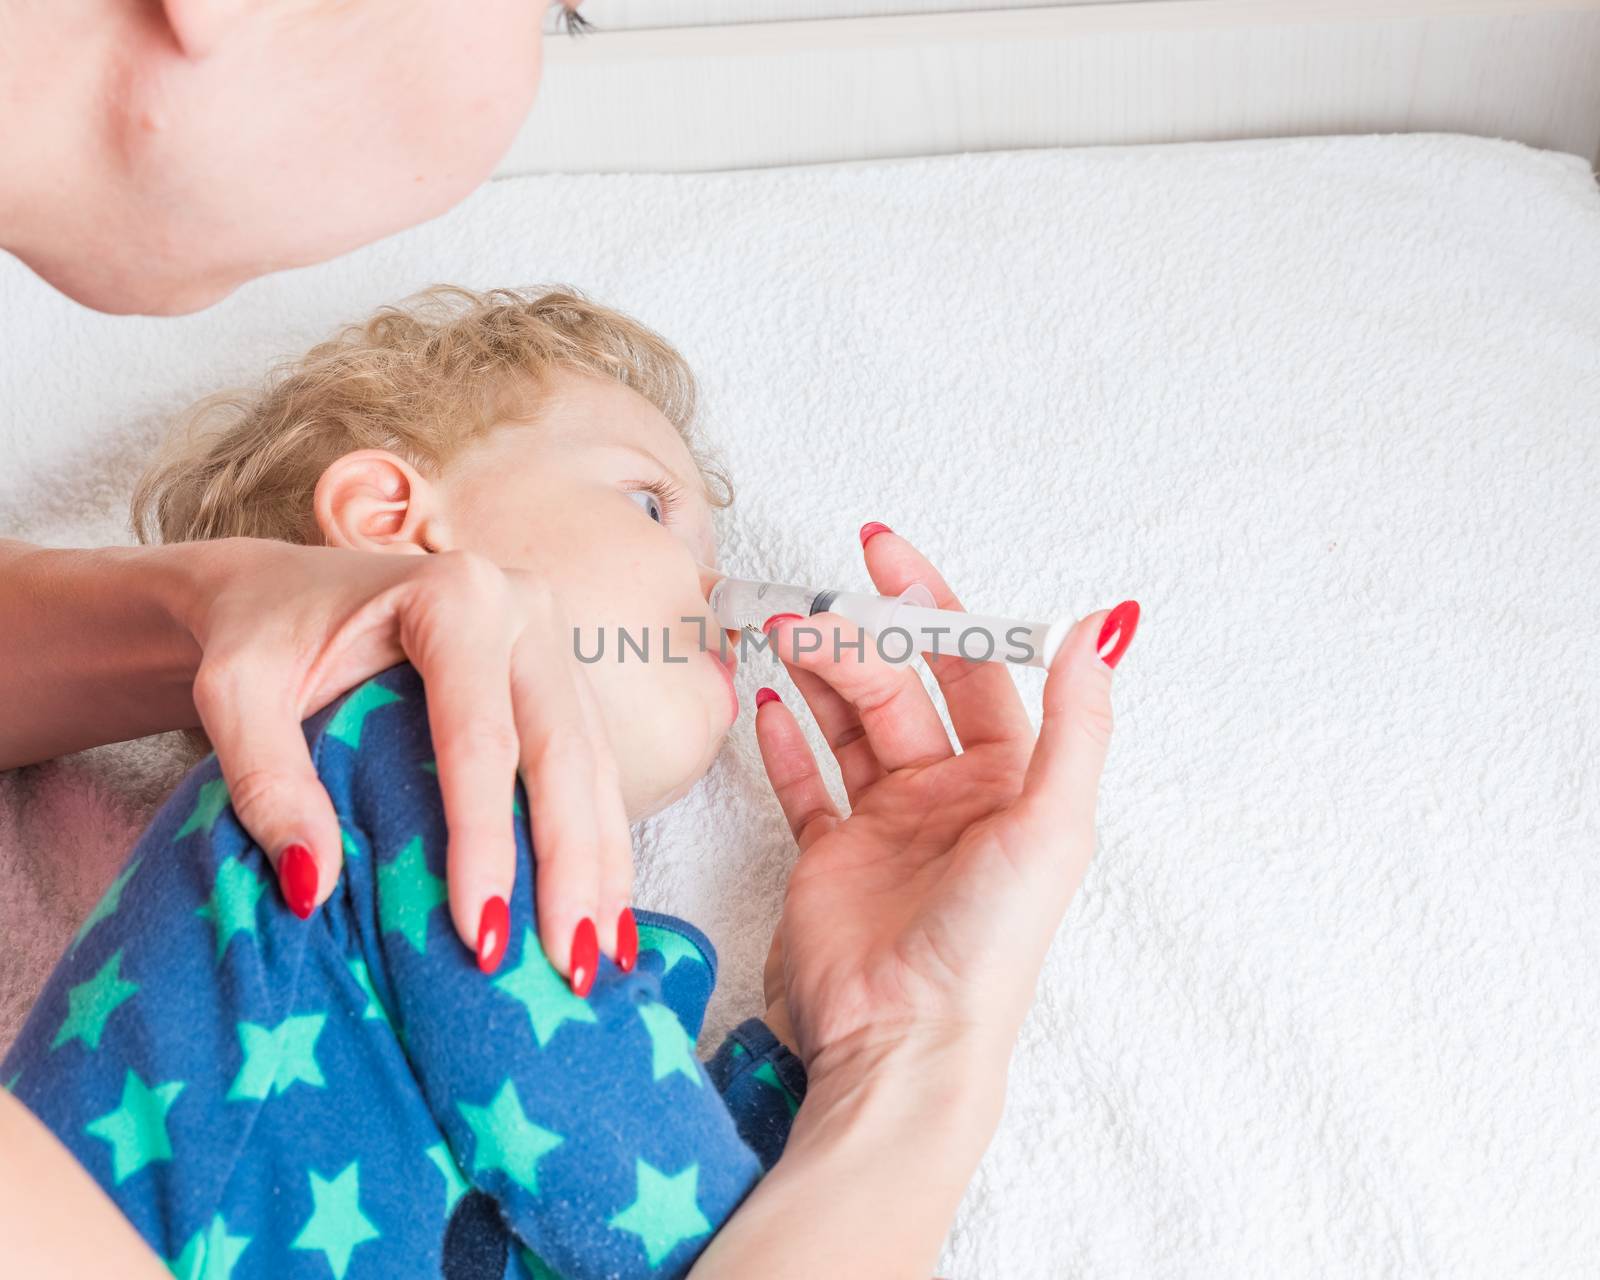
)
(571, 21)
(667, 493)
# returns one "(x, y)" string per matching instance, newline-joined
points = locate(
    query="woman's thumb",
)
(271, 783)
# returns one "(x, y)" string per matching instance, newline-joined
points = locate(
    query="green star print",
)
(543, 992)
(211, 801)
(107, 906)
(211, 1254)
(91, 1003)
(137, 1129)
(454, 1184)
(534, 1266)
(363, 977)
(673, 947)
(337, 1225)
(407, 893)
(768, 1076)
(277, 1057)
(664, 1212)
(504, 1138)
(232, 907)
(348, 719)
(670, 1049)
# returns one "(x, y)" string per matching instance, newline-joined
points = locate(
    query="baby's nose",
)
(709, 578)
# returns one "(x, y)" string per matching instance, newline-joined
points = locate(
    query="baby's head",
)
(536, 428)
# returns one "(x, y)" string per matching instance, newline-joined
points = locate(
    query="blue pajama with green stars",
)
(349, 1096)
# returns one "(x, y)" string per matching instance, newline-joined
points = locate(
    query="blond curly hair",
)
(422, 379)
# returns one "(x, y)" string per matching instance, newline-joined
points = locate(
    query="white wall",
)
(755, 93)
(617, 15)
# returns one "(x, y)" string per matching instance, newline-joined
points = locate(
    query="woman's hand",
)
(928, 911)
(285, 629)
(777, 1015)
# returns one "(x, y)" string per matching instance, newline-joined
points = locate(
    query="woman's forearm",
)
(880, 1154)
(93, 648)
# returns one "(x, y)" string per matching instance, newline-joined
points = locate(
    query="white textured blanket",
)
(1329, 1001)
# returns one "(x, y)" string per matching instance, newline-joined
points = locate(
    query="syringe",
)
(903, 625)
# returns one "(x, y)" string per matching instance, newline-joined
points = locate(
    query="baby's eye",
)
(650, 504)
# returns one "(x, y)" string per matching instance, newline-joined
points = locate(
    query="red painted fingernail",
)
(1125, 619)
(766, 627)
(627, 940)
(297, 877)
(872, 529)
(765, 695)
(585, 956)
(494, 924)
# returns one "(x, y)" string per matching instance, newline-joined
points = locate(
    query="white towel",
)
(1329, 1000)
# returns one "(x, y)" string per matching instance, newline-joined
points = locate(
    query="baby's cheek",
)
(662, 720)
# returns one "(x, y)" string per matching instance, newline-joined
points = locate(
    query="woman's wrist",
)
(880, 1154)
(878, 1081)
(187, 576)
(103, 638)
(777, 1019)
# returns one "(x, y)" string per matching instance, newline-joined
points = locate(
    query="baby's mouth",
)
(723, 648)
(726, 657)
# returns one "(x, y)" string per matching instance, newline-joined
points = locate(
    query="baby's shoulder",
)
(375, 732)
(198, 824)
(374, 753)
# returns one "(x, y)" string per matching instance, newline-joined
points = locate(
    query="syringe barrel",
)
(904, 630)
(743, 602)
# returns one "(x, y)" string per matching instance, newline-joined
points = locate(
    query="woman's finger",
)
(1062, 785)
(574, 796)
(841, 730)
(456, 629)
(792, 771)
(982, 696)
(899, 719)
(614, 845)
(248, 711)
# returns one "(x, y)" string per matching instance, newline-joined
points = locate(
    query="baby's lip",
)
(727, 653)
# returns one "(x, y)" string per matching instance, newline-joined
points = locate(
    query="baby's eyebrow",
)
(671, 474)
(706, 538)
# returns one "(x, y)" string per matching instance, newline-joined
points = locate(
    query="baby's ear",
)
(374, 500)
(200, 26)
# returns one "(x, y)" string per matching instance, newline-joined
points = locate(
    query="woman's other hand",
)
(777, 1014)
(926, 914)
(285, 629)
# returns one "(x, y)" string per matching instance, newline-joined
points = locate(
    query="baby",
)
(350, 1095)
